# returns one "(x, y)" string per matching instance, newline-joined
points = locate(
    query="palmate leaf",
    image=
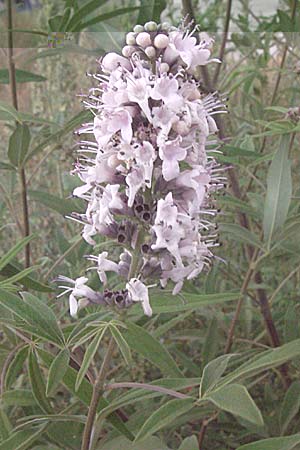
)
(84, 392)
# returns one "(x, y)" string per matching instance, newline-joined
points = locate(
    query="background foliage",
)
(219, 366)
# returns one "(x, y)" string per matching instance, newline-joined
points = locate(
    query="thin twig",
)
(224, 40)
(14, 96)
(203, 428)
(97, 392)
(62, 257)
(284, 281)
(244, 287)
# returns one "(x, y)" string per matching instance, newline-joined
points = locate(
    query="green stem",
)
(14, 96)
(97, 392)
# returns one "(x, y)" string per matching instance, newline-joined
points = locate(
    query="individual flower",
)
(138, 292)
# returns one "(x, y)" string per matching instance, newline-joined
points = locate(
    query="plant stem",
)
(224, 40)
(97, 392)
(244, 287)
(14, 96)
(25, 214)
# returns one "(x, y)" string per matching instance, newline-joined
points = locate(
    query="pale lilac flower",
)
(138, 292)
(170, 153)
(149, 172)
(78, 290)
(103, 265)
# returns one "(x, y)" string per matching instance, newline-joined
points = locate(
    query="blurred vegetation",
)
(258, 262)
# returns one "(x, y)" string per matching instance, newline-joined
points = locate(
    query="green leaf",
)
(63, 206)
(290, 406)
(22, 76)
(189, 443)
(84, 393)
(121, 443)
(22, 440)
(82, 12)
(151, 10)
(146, 345)
(57, 371)
(88, 356)
(14, 251)
(47, 316)
(13, 268)
(8, 112)
(240, 234)
(18, 397)
(212, 373)
(6, 166)
(291, 324)
(211, 342)
(121, 343)
(16, 366)
(280, 443)
(236, 400)
(163, 303)
(19, 145)
(38, 325)
(37, 383)
(265, 360)
(106, 16)
(54, 138)
(17, 277)
(5, 425)
(164, 416)
(279, 191)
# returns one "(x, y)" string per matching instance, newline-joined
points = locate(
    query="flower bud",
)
(165, 26)
(128, 50)
(143, 39)
(150, 26)
(138, 29)
(130, 39)
(164, 67)
(150, 52)
(112, 60)
(161, 41)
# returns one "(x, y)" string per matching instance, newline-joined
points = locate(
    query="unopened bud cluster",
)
(147, 166)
